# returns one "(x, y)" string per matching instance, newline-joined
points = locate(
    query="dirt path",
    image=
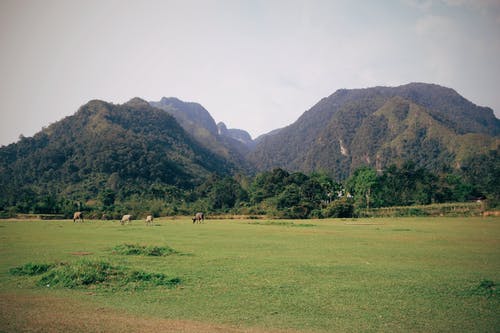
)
(36, 313)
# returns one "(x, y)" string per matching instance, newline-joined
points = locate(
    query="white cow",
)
(149, 220)
(77, 216)
(126, 218)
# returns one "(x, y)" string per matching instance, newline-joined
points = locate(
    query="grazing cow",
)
(77, 216)
(198, 218)
(149, 220)
(126, 218)
(491, 213)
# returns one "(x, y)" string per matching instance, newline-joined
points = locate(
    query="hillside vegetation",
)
(105, 151)
(430, 125)
(198, 122)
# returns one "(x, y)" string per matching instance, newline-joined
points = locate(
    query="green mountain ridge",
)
(123, 148)
(198, 122)
(428, 124)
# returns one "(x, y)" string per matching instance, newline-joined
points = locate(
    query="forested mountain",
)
(198, 122)
(431, 125)
(106, 149)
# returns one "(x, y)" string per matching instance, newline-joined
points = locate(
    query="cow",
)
(198, 218)
(149, 220)
(77, 216)
(491, 213)
(126, 218)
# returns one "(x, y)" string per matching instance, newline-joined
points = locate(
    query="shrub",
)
(343, 207)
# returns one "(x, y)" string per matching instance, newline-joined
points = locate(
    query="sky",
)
(256, 65)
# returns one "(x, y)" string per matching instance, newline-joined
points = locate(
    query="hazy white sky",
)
(256, 65)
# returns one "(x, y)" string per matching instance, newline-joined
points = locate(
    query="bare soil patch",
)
(42, 313)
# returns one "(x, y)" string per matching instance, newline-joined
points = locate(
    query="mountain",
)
(198, 122)
(236, 134)
(123, 148)
(193, 117)
(429, 124)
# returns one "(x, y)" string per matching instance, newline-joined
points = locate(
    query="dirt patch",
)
(41, 313)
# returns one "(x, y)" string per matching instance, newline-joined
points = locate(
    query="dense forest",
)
(281, 194)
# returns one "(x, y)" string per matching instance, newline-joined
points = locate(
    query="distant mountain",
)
(197, 121)
(124, 148)
(237, 134)
(193, 117)
(265, 135)
(431, 125)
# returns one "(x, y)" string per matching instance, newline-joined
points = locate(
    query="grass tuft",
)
(79, 274)
(156, 279)
(30, 269)
(136, 249)
(93, 274)
(486, 288)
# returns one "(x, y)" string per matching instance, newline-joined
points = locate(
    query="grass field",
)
(362, 275)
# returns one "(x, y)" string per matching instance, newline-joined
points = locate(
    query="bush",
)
(343, 207)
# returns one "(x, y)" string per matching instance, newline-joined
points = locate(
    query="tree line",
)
(276, 193)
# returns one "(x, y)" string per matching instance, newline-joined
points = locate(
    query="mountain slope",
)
(426, 123)
(119, 147)
(239, 135)
(198, 122)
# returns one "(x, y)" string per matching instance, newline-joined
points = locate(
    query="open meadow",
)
(334, 275)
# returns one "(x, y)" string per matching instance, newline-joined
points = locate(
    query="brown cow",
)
(198, 218)
(77, 216)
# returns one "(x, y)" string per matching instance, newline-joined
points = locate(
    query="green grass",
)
(93, 274)
(369, 275)
(144, 250)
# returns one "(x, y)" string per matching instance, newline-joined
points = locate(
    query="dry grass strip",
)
(42, 313)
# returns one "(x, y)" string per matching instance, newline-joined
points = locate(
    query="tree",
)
(361, 184)
(225, 193)
(484, 173)
(268, 184)
(107, 198)
(289, 197)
